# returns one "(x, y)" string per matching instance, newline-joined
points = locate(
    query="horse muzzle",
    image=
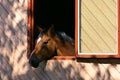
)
(34, 61)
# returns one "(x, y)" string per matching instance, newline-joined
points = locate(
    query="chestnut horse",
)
(51, 43)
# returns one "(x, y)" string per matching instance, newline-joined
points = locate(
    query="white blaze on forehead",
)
(38, 39)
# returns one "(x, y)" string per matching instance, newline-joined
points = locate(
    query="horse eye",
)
(45, 42)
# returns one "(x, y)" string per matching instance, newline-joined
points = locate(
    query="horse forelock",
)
(40, 35)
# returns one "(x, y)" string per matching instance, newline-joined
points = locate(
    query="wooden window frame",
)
(30, 27)
(92, 55)
(30, 35)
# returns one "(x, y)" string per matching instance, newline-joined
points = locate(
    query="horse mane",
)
(62, 35)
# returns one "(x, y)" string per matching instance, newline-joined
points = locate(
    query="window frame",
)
(92, 55)
(30, 35)
(30, 27)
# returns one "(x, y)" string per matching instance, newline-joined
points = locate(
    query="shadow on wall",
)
(13, 38)
(56, 70)
(5, 68)
(69, 70)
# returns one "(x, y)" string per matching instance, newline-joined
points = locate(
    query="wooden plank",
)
(98, 26)
(14, 7)
(3, 13)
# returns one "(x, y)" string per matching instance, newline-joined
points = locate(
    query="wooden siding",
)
(13, 53)
(99, 26)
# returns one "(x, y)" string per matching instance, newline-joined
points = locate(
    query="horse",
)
(51, 43)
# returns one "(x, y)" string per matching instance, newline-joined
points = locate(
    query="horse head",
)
(45, 48)
(51, 43)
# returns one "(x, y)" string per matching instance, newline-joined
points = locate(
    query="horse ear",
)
(39, 29)
(51, 31)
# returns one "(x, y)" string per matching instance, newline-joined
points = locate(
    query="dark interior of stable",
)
(61, 13)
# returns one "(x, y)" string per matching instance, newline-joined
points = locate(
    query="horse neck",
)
(64, 48)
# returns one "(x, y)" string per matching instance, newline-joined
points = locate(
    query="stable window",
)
(97, 28)
(44, 13)
(94, 24)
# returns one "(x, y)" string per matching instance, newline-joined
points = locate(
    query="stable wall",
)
(13, 50)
